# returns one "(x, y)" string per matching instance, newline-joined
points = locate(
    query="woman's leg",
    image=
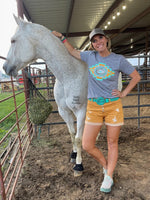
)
(88, 142)
(112, 140)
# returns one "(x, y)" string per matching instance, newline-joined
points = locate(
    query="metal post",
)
(40, 73)
(27, 93)
(47, 82)
(17, 120)
(145, 62)
(138, 88)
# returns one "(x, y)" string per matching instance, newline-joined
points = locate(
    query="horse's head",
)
(22, 50)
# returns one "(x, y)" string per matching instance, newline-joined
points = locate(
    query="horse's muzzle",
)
(10, 70)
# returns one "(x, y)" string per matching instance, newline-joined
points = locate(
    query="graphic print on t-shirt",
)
(101, 71)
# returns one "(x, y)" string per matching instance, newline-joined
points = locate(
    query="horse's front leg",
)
(78, 168)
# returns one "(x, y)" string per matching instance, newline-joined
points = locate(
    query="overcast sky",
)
(8, 26)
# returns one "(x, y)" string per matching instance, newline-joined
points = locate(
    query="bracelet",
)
(63, 39)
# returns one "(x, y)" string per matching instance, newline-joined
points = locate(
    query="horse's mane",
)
(57, 48)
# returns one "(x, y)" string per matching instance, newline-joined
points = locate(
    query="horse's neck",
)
(56, 56)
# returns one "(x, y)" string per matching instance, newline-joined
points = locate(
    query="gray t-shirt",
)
(103, 72)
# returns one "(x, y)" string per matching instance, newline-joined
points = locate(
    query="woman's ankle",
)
(110, 174)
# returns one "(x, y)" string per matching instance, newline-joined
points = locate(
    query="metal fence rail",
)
(142, 88)
(15, 139)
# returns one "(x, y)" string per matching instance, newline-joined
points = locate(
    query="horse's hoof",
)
(78, 173)
(78, 170)
(73, 157)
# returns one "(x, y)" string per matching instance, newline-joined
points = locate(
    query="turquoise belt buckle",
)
(100, 101)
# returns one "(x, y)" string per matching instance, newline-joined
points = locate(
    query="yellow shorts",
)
(111, 113)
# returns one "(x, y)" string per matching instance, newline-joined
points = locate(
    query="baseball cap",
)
(95, 32)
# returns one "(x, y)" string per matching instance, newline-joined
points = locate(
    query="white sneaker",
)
(106, 184)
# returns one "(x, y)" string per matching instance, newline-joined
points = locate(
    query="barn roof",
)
(129, 31)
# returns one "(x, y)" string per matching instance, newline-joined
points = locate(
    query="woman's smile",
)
(99, 43)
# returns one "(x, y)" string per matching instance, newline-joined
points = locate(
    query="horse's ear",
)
(19, 21)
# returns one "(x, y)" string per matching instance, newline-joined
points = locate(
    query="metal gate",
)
(15, 134)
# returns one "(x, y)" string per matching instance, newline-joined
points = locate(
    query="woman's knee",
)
(113, 136)
(112, 144)
(86, 146)
(89, 137)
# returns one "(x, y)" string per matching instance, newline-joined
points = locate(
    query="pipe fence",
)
(142, 89)
(16, 130)
(15, 134)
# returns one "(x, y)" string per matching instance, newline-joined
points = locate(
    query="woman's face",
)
(99, 43)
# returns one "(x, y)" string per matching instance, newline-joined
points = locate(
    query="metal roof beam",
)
(134, 51)
(26, 13)
(112, 31)
(133, 21)
(70, 16)
(135, 31)
(127, 40)
(127, 47)
(106, 15)
(123, 48)
(22, 10)
(109, 12)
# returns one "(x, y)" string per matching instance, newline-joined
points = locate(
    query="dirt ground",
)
(48, 174)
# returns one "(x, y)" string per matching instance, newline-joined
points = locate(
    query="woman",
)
(104, 103)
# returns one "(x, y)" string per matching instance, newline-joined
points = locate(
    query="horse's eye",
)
(13, 41)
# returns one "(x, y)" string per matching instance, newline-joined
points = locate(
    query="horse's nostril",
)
(4, 67)
(9, 70)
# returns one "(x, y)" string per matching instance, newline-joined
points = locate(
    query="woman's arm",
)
(69, 47)
(135, 78)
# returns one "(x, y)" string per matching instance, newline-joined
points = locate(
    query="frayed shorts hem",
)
(93, 123)
(120, 124)
(99, 124)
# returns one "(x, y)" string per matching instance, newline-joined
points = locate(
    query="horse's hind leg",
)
(68, 118)
(66, 114)
(80, 115)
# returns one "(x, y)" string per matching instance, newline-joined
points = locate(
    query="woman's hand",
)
(135, 78)
(117, 93)
(74, 52)
(57, 34)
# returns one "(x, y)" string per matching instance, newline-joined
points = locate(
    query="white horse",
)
(32, 41)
